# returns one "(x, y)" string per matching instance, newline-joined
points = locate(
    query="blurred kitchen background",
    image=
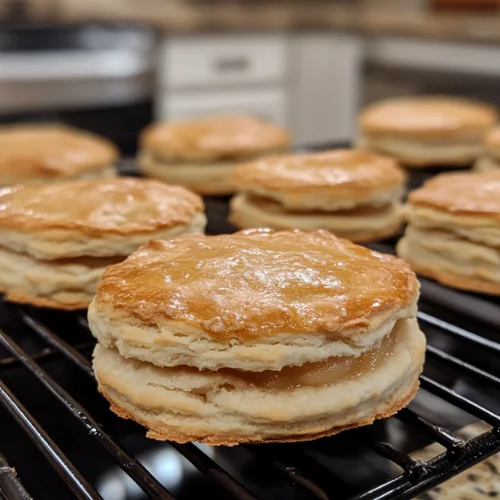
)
(112, 66)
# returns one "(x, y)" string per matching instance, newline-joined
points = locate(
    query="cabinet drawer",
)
(269, 104)
(222, 60)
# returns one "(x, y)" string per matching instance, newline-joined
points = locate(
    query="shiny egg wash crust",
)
(121, 205)
(256, 283)
(213, 138)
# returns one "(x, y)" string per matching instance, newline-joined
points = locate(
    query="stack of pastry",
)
(490, 158)
(259, 336)
(201, 154)
(426, 131)
(453, 232)
(41, 153)
(354, 194)
(57, 239)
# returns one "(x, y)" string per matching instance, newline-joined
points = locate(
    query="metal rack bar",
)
(472, 308)
(46, 353)
(435, 432)
(298, 477)
(297, 472)
(64, 348)
(394, 455)
(208, 467)
(456, 331)
(462, 402)
(392, 488)
(136, 471)
(83, 322)
(68, 472)
(10, 486)
(462, 365)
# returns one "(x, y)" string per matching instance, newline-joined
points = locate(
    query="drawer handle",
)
(231, 64)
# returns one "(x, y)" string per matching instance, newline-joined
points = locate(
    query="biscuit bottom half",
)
(210, 178)
(227, 406)
(418, 152)
(60, 283)
(452, 259)
(357, 224)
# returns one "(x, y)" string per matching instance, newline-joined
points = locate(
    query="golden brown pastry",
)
(201, 154)
(490, 158)
(354, 194)
(38, 153)
(57, 239)
(425, 131)
(259, 336)
(453, 232)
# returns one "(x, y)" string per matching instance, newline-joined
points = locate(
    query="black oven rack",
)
(462, 369)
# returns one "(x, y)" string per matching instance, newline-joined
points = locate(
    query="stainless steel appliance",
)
(95, 76)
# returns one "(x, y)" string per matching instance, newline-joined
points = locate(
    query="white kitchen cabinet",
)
(325, 86)
(268, 104)
(214, 61)
(309, 83)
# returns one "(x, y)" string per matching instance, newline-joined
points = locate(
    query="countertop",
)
(480, 482)
(361, 16)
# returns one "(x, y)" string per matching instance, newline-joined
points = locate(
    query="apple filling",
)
(333, 370)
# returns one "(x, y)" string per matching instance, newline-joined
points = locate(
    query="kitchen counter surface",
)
(184, 16)
(481, 482)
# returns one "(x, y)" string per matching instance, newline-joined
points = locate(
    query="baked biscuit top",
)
(52, 151)
(119, 206)
(426, 116)
(256, 283)
(214, 138)
(468, 193)
(342, 172)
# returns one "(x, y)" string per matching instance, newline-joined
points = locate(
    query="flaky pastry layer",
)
(419, 152)
(68, 285)
(369, 224)
(217, 408)
(60, 243)
(171, 343)
(452, 260)
(212, 178)
(476, 228)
